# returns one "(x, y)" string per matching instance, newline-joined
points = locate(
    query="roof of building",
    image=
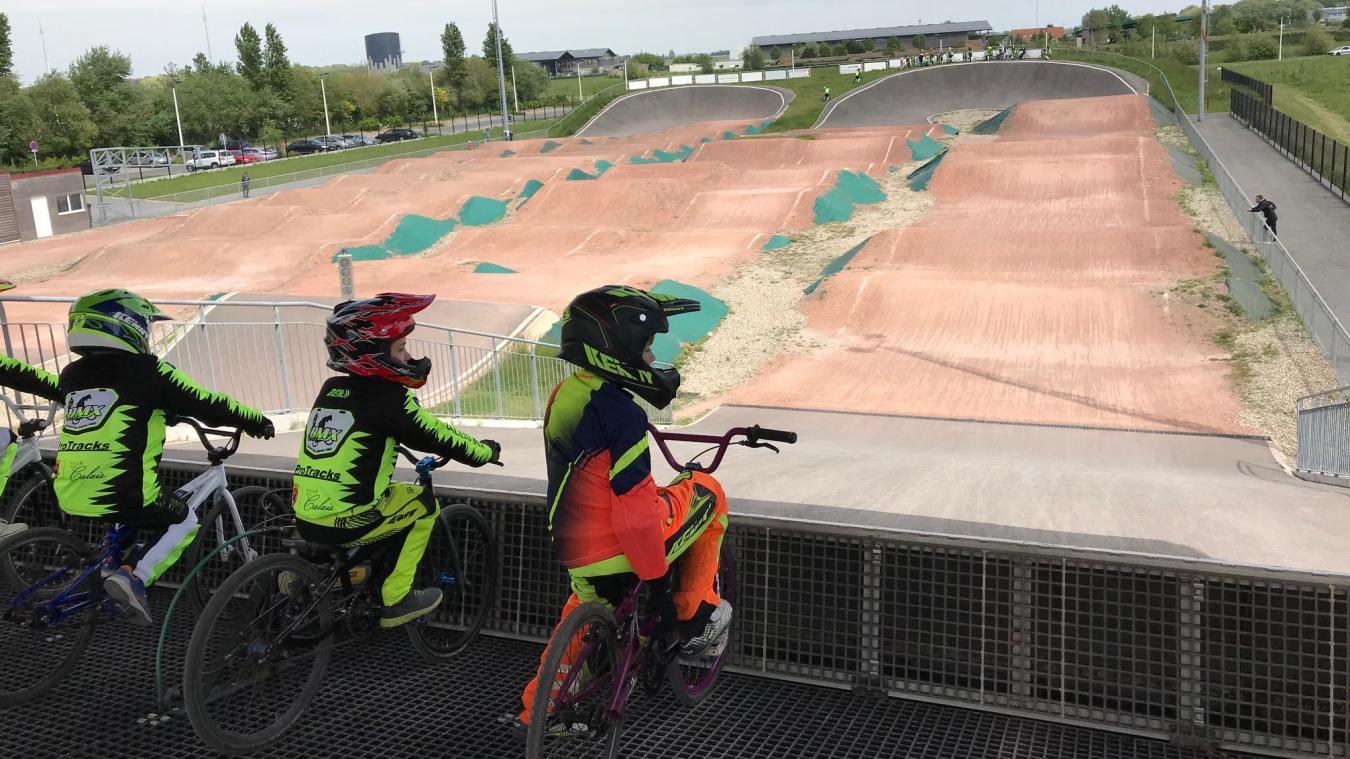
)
(950, 27)
(557, 55)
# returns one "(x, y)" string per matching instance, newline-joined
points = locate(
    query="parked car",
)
(87, 168)
(233, 145)
(1342, 50)
(241, 157)
(305, 147)
(210, 159)
(146, 158)
(261, 154)
(331, 142)
(358, 140)
(396, 135)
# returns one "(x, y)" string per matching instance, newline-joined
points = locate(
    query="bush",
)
(807, 52)
(1236, 50)
(775, 54)
(855, 47)
(840, 50)
(1185, 52)
(1262, 48)
(1316, 42)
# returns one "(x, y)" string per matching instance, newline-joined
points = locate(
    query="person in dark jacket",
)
(1267, 210)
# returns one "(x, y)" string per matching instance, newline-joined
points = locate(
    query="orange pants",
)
(693, 545)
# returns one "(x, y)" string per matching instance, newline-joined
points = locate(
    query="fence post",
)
(206, 338)
(534, 380)
(1191, 718)
(281, 358)
(497, 377)
(1023, 611)
(454, 375)
(869, 612)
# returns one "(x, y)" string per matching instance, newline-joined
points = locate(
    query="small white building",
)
(685, 68)
(1336, 15)
(726, 65)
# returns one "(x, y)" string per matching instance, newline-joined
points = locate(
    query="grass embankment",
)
(1314, 90)
(805, 108)
(202, 180)
(1185, 79)
(567, 85)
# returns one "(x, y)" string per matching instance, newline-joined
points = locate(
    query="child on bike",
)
(117, 394)
(18, 376)
(343, 495)
(611, 525)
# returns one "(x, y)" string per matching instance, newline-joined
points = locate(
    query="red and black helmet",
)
(360, 332)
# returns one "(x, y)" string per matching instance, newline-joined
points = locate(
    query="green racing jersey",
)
(17, 375)
(348, 454)
(112, 437)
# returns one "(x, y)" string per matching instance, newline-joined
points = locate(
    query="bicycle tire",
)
(538, 740)
(467, 577)
(197, 697)
(198, 592)
(691, 683)
(22, 508)
(12, 582)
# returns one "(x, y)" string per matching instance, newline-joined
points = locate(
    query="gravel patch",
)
(965, 119)
(766, 320)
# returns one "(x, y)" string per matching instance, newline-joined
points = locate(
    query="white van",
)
(210, 159)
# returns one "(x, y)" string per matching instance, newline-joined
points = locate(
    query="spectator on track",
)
(1267, 210)
(243, 184)
(857, 77)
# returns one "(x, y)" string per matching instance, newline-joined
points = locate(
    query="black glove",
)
(496, 457)
(661, 603)
(265, 430)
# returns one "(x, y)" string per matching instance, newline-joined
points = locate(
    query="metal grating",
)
(379, 699)
(1218, 656)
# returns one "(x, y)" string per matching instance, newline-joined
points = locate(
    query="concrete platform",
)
(1223, 499)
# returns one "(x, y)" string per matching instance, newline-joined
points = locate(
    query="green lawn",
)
(1314, 90)
(806, 107)
(1185, 80)
(567, 86)
(229, 178)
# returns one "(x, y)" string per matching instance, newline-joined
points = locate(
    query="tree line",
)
(262, 96)
(1244, 30)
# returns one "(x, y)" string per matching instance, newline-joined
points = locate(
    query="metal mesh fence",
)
(1327, 160)
(1263, 91)
(1242, 658)
(1324, 433)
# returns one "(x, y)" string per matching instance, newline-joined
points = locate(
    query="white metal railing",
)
(270, 355)
(1324, 433)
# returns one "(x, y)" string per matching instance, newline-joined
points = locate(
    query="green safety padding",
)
(685, 328)
(766, 123)
(705, 139)
(991, 125)
(637, 159)
(550, 146)
(753, 130)
(1244, 280)
(414, 234)
(530, 188)
(665, 156)
(924, 148)
(835, 266)
(850, 189)
(919, 178)
(364, 253)
(776, 242)
(729, 135)
(1184, 165)
(1253, 301)
(949, 129)
(479, 211)
(506, 154)
(601, 167)
(487, 267)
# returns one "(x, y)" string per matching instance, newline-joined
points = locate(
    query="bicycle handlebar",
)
(753, 435)
(223, 452)
(28, 427)
(430, 463)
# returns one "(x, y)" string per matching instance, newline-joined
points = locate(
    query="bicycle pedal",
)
(153, 719)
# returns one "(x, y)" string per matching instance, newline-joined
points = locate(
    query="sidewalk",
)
(1314, 224)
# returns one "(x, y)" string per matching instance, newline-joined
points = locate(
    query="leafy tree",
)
(840, 50)
(6, 48)
(63, 123)
(531, 81)
(248, 45)
(490, 46)
(200, 63)
(1316, 42)
(651, 61)
(100, 77)
(18, 125)
(893, 46)
(775, 54)
(276, 63)
(752, 58)
(807, 52)
(215, 103)
(1225, 26)
(1261, 49)
(854, 47)
(452, 47)
(705, 63)
(920, 41)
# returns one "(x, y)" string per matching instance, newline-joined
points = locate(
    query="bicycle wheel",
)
(41, 648)
(257, 653)
(575, 682)
(461, 560)
(692, 680)
(256, 505)
(34, 501)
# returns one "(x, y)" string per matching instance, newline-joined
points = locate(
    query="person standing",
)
(1267, 210)
(243, 184)
(825, 98)
(857, 77)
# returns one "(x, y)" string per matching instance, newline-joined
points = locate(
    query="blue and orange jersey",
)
(602, 500)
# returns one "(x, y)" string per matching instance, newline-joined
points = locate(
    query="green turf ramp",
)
(835, 266)
(992, 124)
(924, 148)
(776, 242)
(919, 178)
(487, 267)
(479, 211)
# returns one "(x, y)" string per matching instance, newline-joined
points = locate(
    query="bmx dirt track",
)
(658, 110)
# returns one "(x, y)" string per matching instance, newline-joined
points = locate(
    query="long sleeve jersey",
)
(19, 376)
(349, 451)
(112, 437)
(602, 499)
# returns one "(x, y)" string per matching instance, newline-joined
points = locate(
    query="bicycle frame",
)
(210, 483)
(28, 452)
(73, 600)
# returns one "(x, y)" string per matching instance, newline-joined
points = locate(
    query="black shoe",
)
(418, 603)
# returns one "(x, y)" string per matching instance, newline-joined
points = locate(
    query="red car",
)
(242, 157)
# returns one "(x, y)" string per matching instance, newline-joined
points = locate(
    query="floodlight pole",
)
(1204, 55)
(501, 72)
(327, 127)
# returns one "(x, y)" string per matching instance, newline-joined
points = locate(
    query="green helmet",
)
(117, 319)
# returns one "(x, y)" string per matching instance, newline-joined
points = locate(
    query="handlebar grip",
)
(774, 436)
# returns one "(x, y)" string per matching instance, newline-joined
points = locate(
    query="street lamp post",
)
(1204, 55)
(327, 127)
(176, 117)
(501, 71)
(435, 115)
(1281, 57)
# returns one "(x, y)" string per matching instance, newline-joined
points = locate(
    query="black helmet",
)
(606, 330)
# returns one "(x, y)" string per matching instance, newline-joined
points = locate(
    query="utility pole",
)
(501, 72)
(580, 95)
(435, 116)
(327, 127)
(1281, 38)
(515, 94)
(1153, 47)
(207, 30)
(177, 117)
(1204, 55)
(46, 67)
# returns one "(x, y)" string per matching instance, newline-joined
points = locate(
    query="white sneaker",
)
(11, 528)
(713, 640)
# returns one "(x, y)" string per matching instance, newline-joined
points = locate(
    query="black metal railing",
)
(1324, 158)
(1259, 88)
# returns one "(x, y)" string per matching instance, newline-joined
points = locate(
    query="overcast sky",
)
(321, 32)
